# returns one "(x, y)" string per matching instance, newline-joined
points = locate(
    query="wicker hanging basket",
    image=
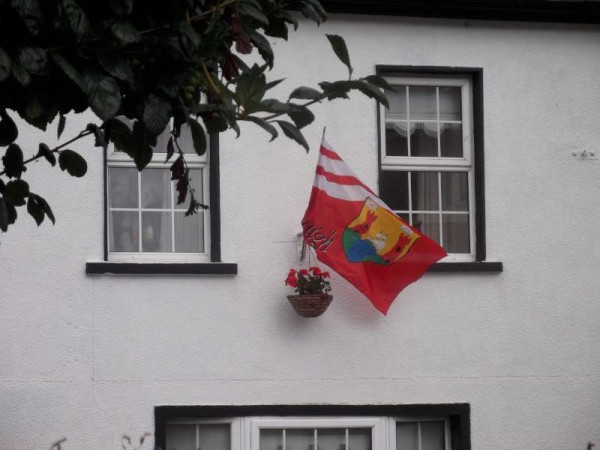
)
(310, 305)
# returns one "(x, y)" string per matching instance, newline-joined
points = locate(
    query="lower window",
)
(416, 431)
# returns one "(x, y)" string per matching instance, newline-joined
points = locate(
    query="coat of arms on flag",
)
(358, 236)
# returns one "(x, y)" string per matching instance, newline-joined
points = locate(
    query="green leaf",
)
(141, 151)
(3, 215)
(337, 89)
(103, 94)
(33, 59)
(31, 12)
(8, 130)
(68, 69)
(62, 121)
(38, 208)
(198, 137)
(35, 210)
(380, 82)
(116, 66)
(20, 74)
(264, 125)
(120, 134)
(5, 65)
(72, 162)
(340, 49)
(306, 93)
(44, 151)
(264, 47)
(78, 21)
(293, 133)
(157, 113)
(246, 8)
(125, 31)
(301, 116)
(250, 87)
(371, 91)
(216, 124)
(15, 192)
(13, 161)
(272, 84)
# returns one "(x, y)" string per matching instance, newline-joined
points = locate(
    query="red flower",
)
(325, 274)
(303, 272)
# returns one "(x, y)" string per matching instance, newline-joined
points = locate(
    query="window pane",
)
(428, 224)
(300, 439)
(432, 435)
(124, 231)
(155, 184)
(456, 233)
(451, 140)
(215, 437)
(423, 139)
(424, 191)
(450, 103)
(332, 439)
(359, 438)
(189, 233)
(185, 139)
(394, 190)
(455, 191)
(271, 439)
(156, 231)
(397, 102)
(406, 436)
(422, 103)
(196, 182)
(181, 437)
(123, 187)
(396, 143)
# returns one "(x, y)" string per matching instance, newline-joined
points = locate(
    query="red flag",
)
(358, 236)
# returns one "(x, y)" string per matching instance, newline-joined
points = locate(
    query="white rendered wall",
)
(89, 357)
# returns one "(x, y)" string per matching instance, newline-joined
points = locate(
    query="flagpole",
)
(323, 137)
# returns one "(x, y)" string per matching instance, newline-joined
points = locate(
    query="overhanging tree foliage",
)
(148, 63)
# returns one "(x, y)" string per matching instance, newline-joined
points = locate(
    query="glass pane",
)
(397, 102)
(189, 233)
(299, 439)
(422, 103)
(359, 438)
(181, 437)
(423, 139)
(428, 224)
(332, 439)
(122, 187)
(156, 231)
(456, 233)
(396, 143)
(455, 191)
(451, 140)
(271, 439)
(215, 437)
(450, 103)
(155, 184)
(394, 190)
(432, 435)
(424, 191)
(196, 182)
(405, 217)
(124, 231)
(406, 436)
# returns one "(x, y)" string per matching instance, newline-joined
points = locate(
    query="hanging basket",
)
(310, 305)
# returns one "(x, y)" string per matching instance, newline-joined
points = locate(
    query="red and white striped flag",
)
(358, 236)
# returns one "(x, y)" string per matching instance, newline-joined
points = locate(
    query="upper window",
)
(144, 221)
(427, 173)
(316, 433)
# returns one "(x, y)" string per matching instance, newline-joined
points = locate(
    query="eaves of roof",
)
(562, 11)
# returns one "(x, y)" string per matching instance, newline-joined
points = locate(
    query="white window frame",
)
(438, 164)
(245, 431)
(120, 159)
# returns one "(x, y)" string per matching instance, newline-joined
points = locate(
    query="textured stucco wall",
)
(89, 357)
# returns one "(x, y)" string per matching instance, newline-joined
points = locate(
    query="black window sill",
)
(478, 266)
(107, 268)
